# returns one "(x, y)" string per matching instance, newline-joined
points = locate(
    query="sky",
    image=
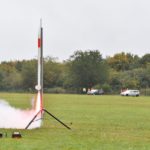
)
(110, 26)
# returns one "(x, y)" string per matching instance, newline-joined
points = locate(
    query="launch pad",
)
(42, 111)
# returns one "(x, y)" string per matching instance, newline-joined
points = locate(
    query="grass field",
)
(97, 122)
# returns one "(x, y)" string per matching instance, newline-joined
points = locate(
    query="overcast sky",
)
(110, 26)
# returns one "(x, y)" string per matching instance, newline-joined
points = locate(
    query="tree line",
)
(83, 70)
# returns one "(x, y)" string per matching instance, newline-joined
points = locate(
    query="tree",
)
(123, 61)
(13, 81)
(144, 77)
(114, 80)
(29, 74)
(87, 69)
(10, 79)
(52, 73)
(145, 60)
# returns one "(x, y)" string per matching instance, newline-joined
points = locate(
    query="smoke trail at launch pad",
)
(11, 117)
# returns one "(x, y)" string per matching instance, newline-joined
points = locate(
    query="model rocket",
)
(39, 86)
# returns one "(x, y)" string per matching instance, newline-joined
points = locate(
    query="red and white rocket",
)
(39, 86)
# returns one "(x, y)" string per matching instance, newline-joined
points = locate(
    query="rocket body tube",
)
(39, 86)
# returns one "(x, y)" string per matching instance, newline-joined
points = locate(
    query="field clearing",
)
(97, 122)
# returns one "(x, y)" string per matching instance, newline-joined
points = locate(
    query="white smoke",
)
(11, 117)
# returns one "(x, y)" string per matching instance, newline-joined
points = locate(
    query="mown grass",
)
(97, 122)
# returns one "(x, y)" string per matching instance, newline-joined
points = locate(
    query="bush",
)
(106, 87)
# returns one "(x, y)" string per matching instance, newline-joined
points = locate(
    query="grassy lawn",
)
(97, 122)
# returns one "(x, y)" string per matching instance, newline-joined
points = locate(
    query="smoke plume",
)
(11, 117)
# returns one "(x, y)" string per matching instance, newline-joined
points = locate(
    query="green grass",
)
(97, 122)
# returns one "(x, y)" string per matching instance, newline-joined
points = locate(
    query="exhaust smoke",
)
(11, 117)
